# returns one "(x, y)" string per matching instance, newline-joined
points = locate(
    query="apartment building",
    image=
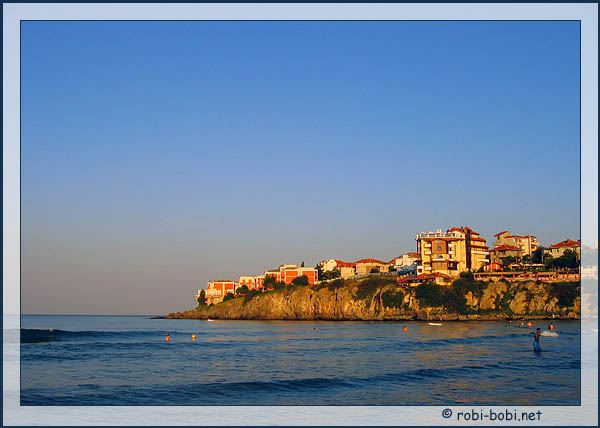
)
(451, 252)
(498, 253)
(217, 290)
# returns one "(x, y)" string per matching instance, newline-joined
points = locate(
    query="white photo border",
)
(13, 14)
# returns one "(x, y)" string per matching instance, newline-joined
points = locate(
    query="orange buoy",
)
(405, 328)
(168, 338)
(193, 337)
(529, 324)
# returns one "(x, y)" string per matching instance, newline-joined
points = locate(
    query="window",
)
(439, 248)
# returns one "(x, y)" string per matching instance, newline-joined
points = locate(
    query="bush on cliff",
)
(430, 295)
(393, 299)
(367, 288)
(565, 292)
(300, 280)
(229, 296)
(335, 284)
(250, 295)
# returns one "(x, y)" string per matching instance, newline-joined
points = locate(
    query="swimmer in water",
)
(536, 340)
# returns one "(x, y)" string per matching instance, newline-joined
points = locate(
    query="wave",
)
(34, 335)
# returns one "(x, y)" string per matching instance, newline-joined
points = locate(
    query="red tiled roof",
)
(506, 248)
(566, 243)
(455, 229)
(340, 263)
(477, 239)
(371, 261)
(500, 233)
(413, 254)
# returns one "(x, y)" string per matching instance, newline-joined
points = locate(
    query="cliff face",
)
(495, 300)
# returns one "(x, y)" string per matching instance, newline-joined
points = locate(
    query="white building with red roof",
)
(558, 249)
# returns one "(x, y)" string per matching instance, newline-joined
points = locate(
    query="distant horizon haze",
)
(156, 156)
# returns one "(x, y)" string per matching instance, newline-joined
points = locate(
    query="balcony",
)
(438, 235)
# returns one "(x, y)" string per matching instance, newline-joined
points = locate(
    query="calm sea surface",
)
(123, 360)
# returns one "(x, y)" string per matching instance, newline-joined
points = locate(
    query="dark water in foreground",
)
(115, 360)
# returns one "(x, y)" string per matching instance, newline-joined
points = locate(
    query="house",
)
(526, 243)
(347, 269)
(452, 252)
(365, 266)
(328, 265)
(558, 249)
(217, 290)
(405, 259)
(504, 250)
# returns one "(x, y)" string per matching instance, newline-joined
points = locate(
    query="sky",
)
(156, 156)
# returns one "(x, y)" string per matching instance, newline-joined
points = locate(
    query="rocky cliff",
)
(379, 299)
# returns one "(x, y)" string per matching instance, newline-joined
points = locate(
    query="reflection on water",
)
(124, 361)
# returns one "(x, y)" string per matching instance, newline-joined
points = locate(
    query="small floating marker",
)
(405, 328)
(167, 338)
(193, 337)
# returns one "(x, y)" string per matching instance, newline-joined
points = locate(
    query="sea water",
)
(123, 360)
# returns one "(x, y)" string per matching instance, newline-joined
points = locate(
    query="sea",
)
(84, 360)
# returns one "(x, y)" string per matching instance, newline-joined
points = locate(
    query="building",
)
(452, 252)
(289, 272)
(217, 290)
(365, 266)
(328, 265)
(526, 243)
(498, 253)
(435, 278)
(559, 248)
(347, 269)
(403, 260)
(248, 281)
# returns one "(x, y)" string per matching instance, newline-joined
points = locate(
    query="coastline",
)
(383, 300)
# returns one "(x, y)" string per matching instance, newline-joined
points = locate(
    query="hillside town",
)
(440, 258)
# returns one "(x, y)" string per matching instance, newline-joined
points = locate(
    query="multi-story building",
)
(290, 272)
(498, 253)
(451, 252)
(526, 243)
(248, 281)
(364, 266)
(217, 290)
(558, 249)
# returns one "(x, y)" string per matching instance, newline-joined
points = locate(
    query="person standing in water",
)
(536, 340)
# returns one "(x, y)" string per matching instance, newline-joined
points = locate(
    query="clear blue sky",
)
(159, 155)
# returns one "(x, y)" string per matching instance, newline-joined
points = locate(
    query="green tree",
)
(375, 270)
(269, 281)
(302, 264)
(242, 290)
(229, 296)
(201, 298)
(508, 260)
(300, 280)
(538, 255)
(332, 274)
(392, 269)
